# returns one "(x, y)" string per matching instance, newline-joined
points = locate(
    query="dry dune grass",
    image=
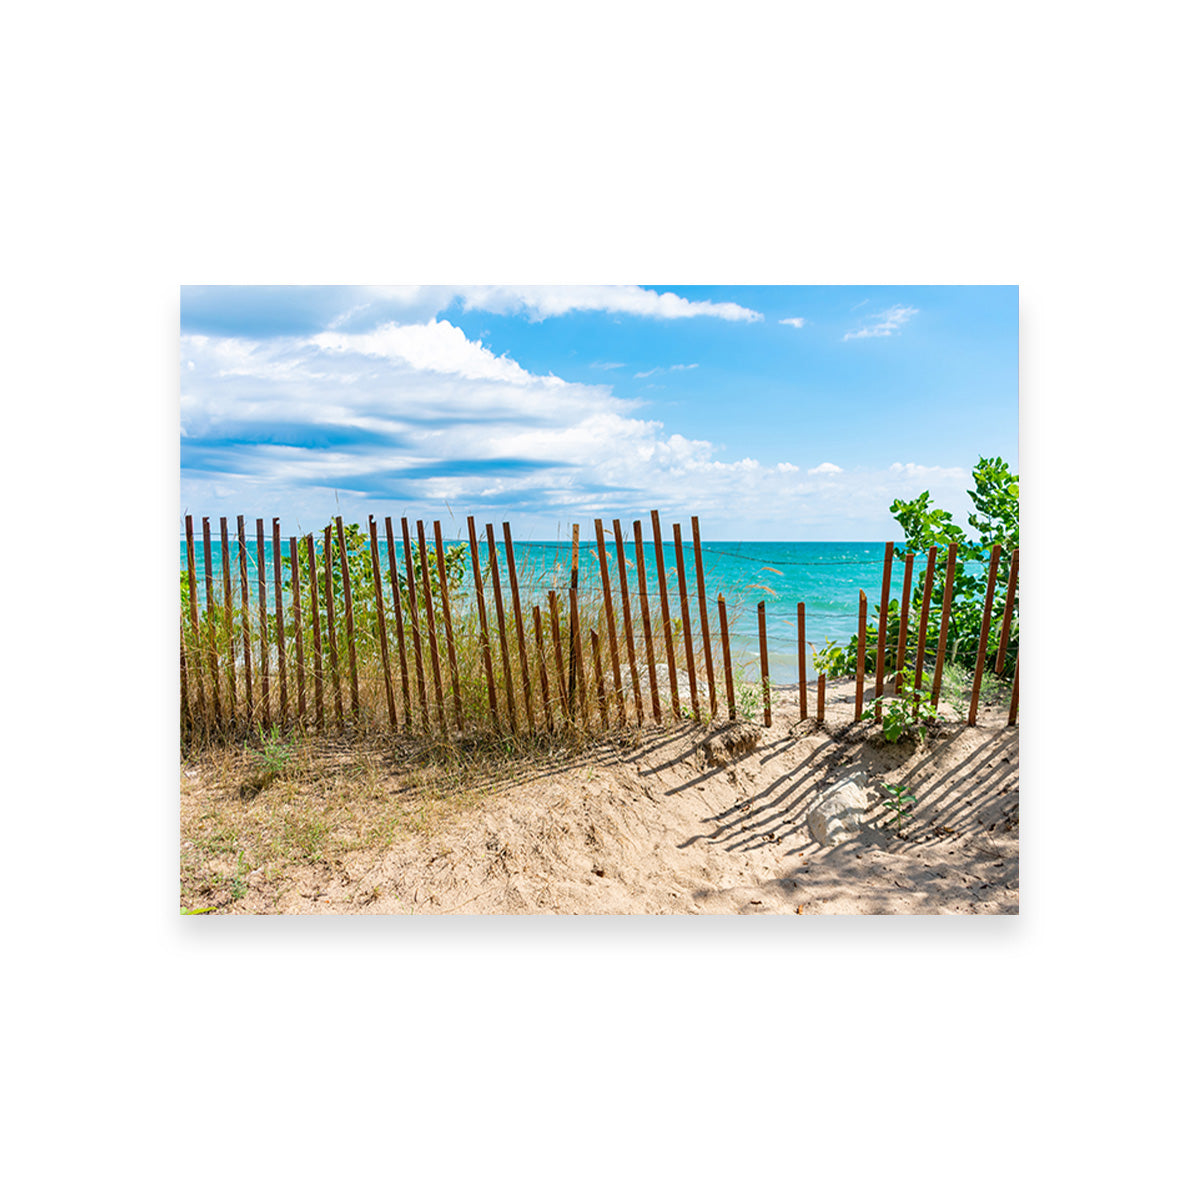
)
(682, 820)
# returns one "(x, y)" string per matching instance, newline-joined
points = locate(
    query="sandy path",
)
(716, 823)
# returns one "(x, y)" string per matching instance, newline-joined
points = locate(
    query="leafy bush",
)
(996, 497)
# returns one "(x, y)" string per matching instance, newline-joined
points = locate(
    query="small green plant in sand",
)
(902, 801)
(903, 717)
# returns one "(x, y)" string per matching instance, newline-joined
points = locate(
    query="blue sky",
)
(785, 413)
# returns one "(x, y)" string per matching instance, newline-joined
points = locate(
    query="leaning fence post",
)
(348, 597)
(947, 598)
(451, 653)
(381, 621)
(501, 631)
(687, 622)
(415, 624)
(665, 602)
(574, 665)
(298, 631)
(765, 663)
(703, 604)
(227, 582)
(431, 626)
(483, 625)
(981, 656)
(821, 698)
(724, 621)
(398, 610)
(885, 600)
(331, 624)
(902, 639)
(280, 640)
(315, 613)
(606, 586)
(211, 621)
(518, 622)
(245, 583)
(264, 628)
(803, 660)
(919, 665)
(648, 638)
(619, 551)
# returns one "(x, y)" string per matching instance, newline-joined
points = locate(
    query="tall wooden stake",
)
(298, 631)
(398, 610)
(451, 654)
(483, 625)
(860, 665)
(981, 656)
(947, 604)
(519, 624)
(194, 614)
(245, 582)
(431, 628)
(647, 634)
(314, 606)
(614, 654)
(619, 551)
(687, 622)
(729, 693)
(703, 605)
(664, 600)
(803, 654)
(381, 621)
(331, 625)
(501, 631)
(347, 595)
(764, 662)
(885, 600)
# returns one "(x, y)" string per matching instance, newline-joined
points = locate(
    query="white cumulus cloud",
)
(798, 322)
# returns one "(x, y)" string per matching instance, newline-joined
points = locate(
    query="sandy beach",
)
(688, 821)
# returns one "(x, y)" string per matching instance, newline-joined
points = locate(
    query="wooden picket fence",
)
(595, 682)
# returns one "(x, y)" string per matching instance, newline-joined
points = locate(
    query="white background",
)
(1049, 145)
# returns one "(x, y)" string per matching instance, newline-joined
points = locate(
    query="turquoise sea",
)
(826, 576)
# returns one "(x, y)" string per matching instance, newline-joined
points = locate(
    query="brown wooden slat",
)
(903, 637)
(729, 691)
(264, 628)
(803, 660)
(1002, 649)
(280, 640)
(598, 667)
(647, 633)
(665, 603)
(947, 604)
(1012, 708)
(573, 665)
(348, 598)
(764, 662)
(448, 620)
(227, 581)
(685, 616)
(398, 611)
(885, 599)
(501, 631)
(702, 603)
(244, 580)
(431, 628)
(622, 575)
(556, 639)
(821, 698)
(919, 665)
(861, 662)
(581, 675)
(519, 624)
(547, 708)
(211, 623)
(331, 625)
(314, 605)
(483, 624)
(194, 616)
(381, 621)
(614, 654)
(981, 656)
(415, 627)
(298, 631)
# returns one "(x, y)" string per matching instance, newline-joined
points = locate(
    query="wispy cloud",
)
(885, 323)
(664, 370)
(798, 322)
(555, 301)
(605, 366)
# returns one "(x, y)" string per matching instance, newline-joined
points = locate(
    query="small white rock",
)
(838, 814)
